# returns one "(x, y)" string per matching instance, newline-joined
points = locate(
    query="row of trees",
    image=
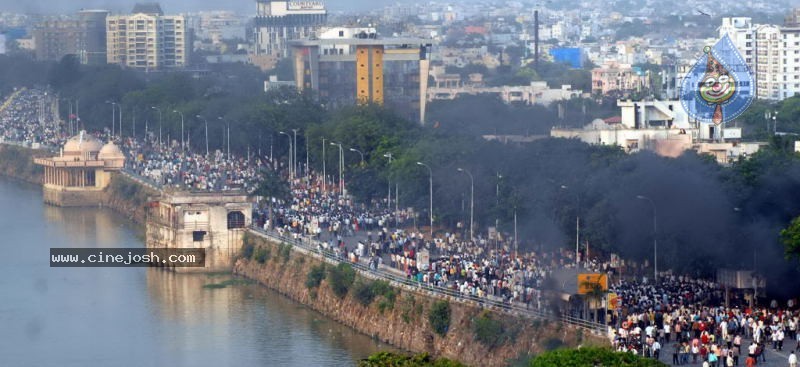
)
(716, 214)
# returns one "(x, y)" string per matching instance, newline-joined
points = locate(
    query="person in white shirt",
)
(792, 360)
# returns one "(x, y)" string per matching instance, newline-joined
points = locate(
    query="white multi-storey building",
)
(278, 22)
(789, 81)
(768, 68)
(147, 39)
(742, 32)
(772, 53)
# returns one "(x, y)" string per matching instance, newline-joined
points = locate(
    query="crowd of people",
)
(674, 313)
(684, 316)
(27, 119)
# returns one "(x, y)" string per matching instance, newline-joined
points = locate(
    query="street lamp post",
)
(655, 232)
(341, 167)
(228, 128)
(294, 152)
(120, 121)
(291, 161)
(206, 122)
(181, 113)
(577, 226)
(472, 204)
(159, 123)
(113, 116)
(359, 153)
(755, 252)
(324, 174)
(430, 184)
(388, 180)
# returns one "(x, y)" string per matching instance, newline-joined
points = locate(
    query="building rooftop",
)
(147, 8)
(362, 41)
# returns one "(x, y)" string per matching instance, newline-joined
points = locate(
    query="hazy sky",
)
(169, 6)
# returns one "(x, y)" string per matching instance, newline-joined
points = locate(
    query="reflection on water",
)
(139, 316)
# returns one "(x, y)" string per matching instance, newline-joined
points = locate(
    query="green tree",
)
(590, 357)
(387, 359)
(790, 237)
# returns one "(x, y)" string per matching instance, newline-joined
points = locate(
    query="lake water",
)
(140, 316)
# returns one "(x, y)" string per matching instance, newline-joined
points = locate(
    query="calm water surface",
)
(140, 316)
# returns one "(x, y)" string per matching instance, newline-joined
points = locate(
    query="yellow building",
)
(78, 176)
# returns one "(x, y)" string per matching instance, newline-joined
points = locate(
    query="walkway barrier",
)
(141, 179)
(315, 249)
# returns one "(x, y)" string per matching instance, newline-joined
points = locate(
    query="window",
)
(198, 236)
(235, 220)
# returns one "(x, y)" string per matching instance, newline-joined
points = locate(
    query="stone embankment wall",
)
(406, 323)
(17, 162)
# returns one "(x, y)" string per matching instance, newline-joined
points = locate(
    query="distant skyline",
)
(169, 6)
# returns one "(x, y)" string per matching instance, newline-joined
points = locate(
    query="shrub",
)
(490, 332)
(364, 293)
(262, 255)
(315, 276)
(284, 251)
(387, 359)
(439, 317)
(340, 278)
(247, 250)
(592, 356)
(552, 344)
(410, 308)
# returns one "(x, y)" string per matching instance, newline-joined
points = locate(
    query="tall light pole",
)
(359, 153)
(497, 218)
(341, 167)
(181, 113)
(389, 181)
(324, 174)
(206, 122)
(113, 116)
(471, 204)
(133, 122)
(77, 113)
(755, 251)
(120, 121)
(159, 123)
(577, 226)
(655, 232)
(228, 129)
(294, 152)
(291, 161)
(430, 182)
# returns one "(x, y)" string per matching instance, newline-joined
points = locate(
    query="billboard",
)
(568, 55)
(589, 282)
(305, 5)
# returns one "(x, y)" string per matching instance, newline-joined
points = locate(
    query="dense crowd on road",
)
(25, 120)
(684, 317)
(673, 314)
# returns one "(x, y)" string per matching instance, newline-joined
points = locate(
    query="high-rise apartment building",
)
(84, 36)
(147, 39)
(278, 22)
(344, 67)
(741, 31)
(772, 53)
